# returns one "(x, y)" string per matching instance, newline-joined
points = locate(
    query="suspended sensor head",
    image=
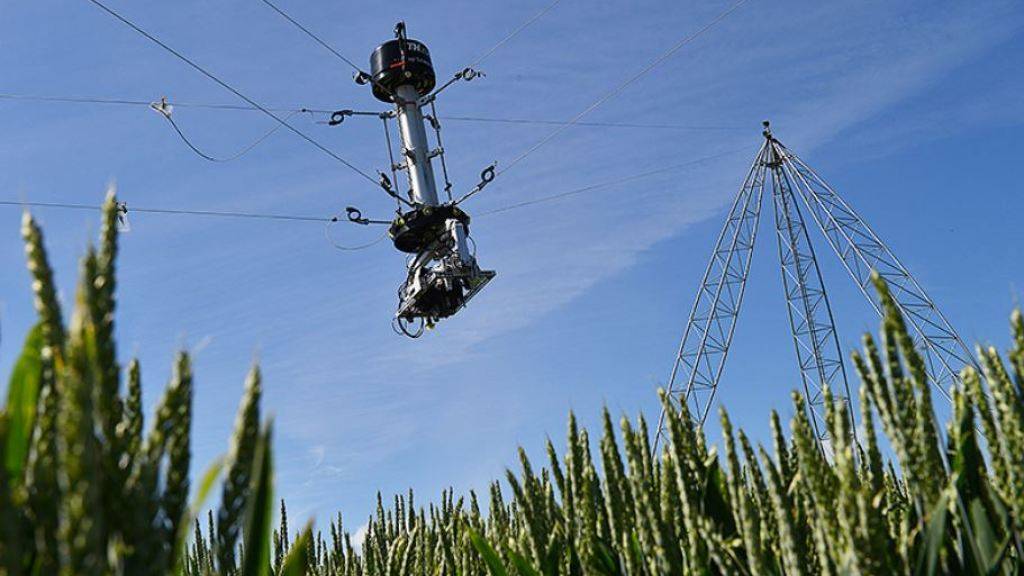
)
(444, 274)
(401, 61)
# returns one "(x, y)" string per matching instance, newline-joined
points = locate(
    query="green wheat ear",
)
(46, 301)
(240, 465)
(80, 474)
(82, 490)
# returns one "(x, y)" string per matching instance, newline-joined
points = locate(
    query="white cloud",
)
(360, 536)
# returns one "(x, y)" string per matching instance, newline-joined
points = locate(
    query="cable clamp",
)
(385, 183)
(469, 74)
(163, 107)
(122, 217)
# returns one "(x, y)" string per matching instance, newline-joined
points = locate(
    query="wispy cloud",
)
(816, 85)
(815, 88)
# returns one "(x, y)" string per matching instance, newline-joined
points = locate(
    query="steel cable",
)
(609, 183)
(494, 48)
(231, 89)
(622, 86)
(481, 119)
(234, 156)
(211, 213)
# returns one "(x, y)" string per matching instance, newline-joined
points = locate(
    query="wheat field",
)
(90, 489)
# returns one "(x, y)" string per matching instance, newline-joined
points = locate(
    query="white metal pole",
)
(415, 149)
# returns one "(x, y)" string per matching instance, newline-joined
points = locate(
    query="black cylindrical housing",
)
(401, 61)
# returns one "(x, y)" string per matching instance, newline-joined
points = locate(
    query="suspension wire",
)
(591, 124)
(342, 247)
(613, 182)
(147, 103)
(229, 88)
(328, 222)
(458, 75)
(315, 38)
(333, 219)
(444, 165)
(234, 156)
(617, 90)
(360, 74)
(391, 159)
(328, 112)
(170, 211)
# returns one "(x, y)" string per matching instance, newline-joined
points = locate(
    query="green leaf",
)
(494, 564)
(522, 564)
(298, 558)
(206, 484)
(22, 396)
(934, 535)
(984, 535)
(604, 562)
(256, 561)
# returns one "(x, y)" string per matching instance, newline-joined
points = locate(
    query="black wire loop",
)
(401, 326)
(338, 117)
(487, 176)
(355, 216)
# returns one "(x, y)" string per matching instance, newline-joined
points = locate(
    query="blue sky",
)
(911, 110)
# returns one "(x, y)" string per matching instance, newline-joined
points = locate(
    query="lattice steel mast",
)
(699, 363)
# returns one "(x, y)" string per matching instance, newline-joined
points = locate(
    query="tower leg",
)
(712, 321)
(812, 324)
